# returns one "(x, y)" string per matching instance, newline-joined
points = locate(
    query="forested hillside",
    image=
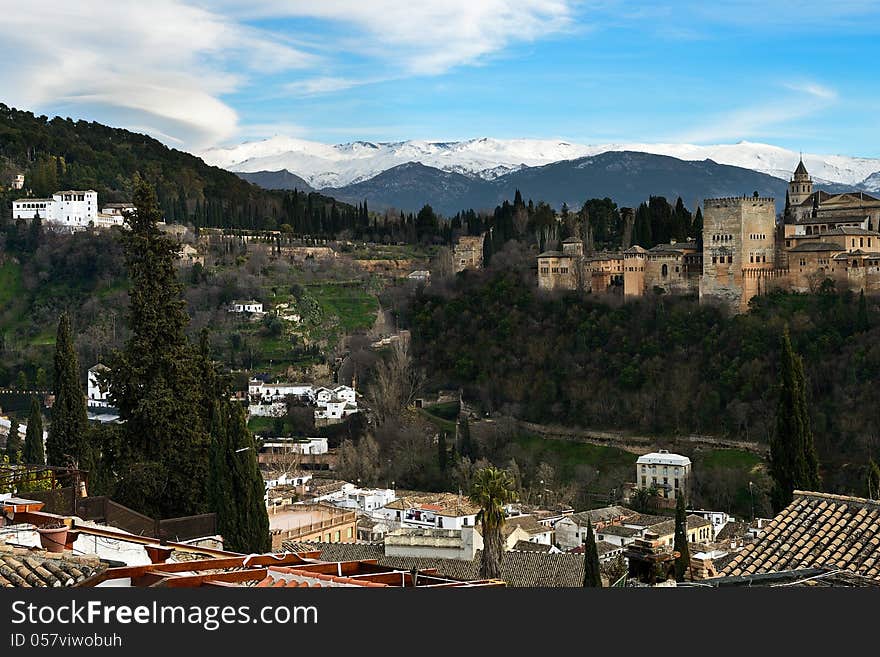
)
(60, 153)
(659, 365)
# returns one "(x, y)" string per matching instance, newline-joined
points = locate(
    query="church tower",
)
(801, 185)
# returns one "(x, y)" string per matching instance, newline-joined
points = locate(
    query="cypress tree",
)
(862, 323)
(466, 447)
(154, 381)
(34, 452)
(236, 486)
(873, 480)
(67, 431)
(592, 574)
(13, 443)
(680, 543)
(793, 461)
(441, 451)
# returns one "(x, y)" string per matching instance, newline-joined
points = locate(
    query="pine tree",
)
(154, 381)
(862, 323)
(34, 452)
(69, 426)
(680, 543)
(592, 574)
(13, 443)
(793, 461)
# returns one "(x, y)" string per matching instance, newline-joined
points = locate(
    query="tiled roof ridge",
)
(862, 501)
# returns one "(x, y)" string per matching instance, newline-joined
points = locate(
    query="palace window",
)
(729, 260)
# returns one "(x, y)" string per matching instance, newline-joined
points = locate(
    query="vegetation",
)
(793, 461)
(33, 452)
(680, 542)
(60, 153)
(13, 443)
(664, 366)
(592, 572)
(66, 443)
(492, 489)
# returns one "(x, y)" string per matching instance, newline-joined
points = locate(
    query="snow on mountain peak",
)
(323, 165)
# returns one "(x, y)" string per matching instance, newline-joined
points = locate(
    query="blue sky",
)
(195, 74)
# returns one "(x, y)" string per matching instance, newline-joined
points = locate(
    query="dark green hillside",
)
(60, 153)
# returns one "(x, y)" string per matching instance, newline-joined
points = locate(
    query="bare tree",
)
(396, 383)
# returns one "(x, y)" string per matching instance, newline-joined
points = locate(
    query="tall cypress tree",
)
(592, 574)
(441, 451)
(862, 323)
(873, 480)
(70, 420)
(34, 452)
(13, 443)
(793, 461)
(680, 543)
(154, 381)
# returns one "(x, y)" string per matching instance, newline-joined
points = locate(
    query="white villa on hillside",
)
(72, 210)
(668, 473)
(332, 405)
(250, 306)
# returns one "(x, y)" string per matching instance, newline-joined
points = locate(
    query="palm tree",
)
(645, 498)
(492, 488)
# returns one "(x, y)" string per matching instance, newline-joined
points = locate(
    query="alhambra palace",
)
(744, 251)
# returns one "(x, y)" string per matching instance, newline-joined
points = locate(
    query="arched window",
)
(664, 270)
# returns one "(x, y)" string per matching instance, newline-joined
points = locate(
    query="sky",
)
(197, 74)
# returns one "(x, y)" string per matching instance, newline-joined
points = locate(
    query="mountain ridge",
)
(331, 166)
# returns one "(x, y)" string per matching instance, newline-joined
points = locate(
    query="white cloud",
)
(165, 66)
(159, 65)
(424, 37)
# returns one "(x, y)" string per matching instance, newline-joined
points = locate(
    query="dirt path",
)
(639, 444)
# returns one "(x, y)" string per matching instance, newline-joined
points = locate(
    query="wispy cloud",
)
(169, 66)
(803, 99)
(422, 37)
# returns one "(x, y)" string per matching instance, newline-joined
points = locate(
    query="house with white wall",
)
(438, 510)
(72, 210)
(250, 306)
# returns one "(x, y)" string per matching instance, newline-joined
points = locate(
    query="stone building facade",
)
(468, 253)
(744, 251)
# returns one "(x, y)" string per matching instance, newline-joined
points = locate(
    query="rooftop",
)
(518, 569)
(817, 530)
(443, 504)
(663, 457)
(813, 246)
(22, 567)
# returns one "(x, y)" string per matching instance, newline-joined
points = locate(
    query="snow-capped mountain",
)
(322, 165)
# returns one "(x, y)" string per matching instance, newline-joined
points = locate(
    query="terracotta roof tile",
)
(816, 530)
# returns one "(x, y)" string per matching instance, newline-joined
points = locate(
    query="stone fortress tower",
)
(739, 248)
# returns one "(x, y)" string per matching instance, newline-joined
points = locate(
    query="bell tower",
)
(801, 185)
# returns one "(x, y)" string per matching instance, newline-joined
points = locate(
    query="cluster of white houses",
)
(445, 525)
(332, 405)
(72, 210)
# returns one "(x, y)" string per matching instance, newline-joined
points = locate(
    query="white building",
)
(668, 473)
(250, 306)
(261, 392)
(365, 500)
(17, 181)
(96, 396)
(72, 210)
(718, 518)
(440, 510)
